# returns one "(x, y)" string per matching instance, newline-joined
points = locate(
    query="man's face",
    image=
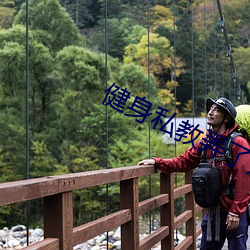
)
(215, 116)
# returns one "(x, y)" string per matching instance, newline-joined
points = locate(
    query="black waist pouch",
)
(206, 184)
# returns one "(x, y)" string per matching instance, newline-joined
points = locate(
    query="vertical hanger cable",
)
(27, 207)
(149, 122)
(107, 121)
(205, 51)
(192, 24)
(175, 95)
(237, 87)
(215, 54)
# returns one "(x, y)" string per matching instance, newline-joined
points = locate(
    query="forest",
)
(56, 68)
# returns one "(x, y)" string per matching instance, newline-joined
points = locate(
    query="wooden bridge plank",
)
(46, 244)
(154, 238)
(58, 219)
(190, 205)
(58, 214)
(182, 218)
(167, 210)
(185, 244)
(187, 188)
(198, 230)
(24, 190)
(99, 177)
(152, 203)
(90, 230)
(129, 198)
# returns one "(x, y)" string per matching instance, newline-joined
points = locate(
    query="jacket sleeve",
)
(240, 167)
(185, 162)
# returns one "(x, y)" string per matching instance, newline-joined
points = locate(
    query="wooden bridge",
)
(56, 192)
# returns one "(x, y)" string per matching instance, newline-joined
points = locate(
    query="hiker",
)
(221, 115)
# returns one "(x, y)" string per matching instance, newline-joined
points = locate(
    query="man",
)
(221, 115)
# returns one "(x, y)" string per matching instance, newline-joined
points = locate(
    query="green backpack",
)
(243, 119)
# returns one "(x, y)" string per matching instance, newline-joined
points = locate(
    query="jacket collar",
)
(230, 130)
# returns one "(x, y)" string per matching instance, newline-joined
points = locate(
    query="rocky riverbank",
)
(16, 238)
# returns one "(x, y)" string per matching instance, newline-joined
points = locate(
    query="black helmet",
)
(223, 103)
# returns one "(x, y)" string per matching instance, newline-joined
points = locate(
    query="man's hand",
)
(232, 222)
(146, 162)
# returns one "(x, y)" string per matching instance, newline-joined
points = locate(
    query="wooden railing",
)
(59, 232)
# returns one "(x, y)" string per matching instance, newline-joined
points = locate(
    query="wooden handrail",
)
(58, 208)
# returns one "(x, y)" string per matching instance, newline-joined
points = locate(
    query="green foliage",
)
(242, 64)
(81, 160)
(161, 53)
(12, 59)
(53, 25)
(84, 13)
(118, 31)
(73, 63)
(12, 149)
(6, 17)
(135, 79)
(42, 162)
(67, 82)
(161, 16)
(136, 34)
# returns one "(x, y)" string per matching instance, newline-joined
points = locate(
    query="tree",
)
(53, 25)
(161, 56)
(12, 59)
(242, 65)
(135, 79)
(117, 32)
(237, 16)
(42, 163)
(161, 16)
(84, 13)
(78, 76)
(12, 149)
(40, 60)
(6, 17)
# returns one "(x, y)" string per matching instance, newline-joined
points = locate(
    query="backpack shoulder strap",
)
(203, 154)
(227, 150)
(229, 191)
(228, 147)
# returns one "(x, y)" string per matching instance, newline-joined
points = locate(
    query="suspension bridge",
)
(56, 192)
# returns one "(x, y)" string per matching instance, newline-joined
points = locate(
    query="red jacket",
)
(191, 158)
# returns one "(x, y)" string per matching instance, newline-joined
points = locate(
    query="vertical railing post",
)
(190, 205)
(129, 198)
(58, 219)
(167, 210)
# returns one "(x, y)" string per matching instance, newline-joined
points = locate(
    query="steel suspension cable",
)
(192, 24)
(205, 51)
(229, 83)
(77, 13)
(229, 53)
(215, 53)
(106, 118)
(27, 207)
(175, 95)
(174, 61)
(149, 121)
(173, 78)
(222, 68)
